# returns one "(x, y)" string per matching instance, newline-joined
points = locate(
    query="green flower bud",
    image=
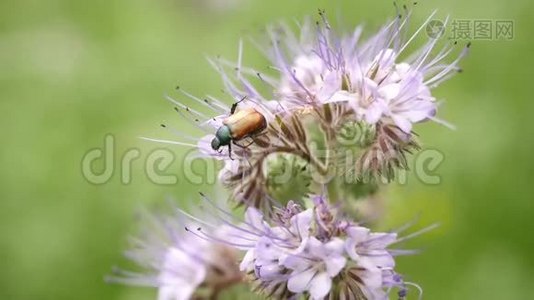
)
(356, 134)
(288, 177)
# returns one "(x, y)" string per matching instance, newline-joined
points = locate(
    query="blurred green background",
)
(74, 71)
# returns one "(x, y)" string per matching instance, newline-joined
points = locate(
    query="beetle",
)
(239, 125)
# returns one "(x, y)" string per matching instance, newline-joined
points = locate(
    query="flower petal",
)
(301, 223)
(320, 285)
(247, 262)
(390, 91)
(403, 123)
(335, 264)
(300, 281)
(175, 292)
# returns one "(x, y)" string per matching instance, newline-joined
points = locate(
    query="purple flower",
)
(324, 78)
(362, 244)
(313, 266)
(180, 275)
(314, 252)
(372, 76)
(178, 262)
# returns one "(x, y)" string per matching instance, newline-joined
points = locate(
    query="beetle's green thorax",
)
(223, 137)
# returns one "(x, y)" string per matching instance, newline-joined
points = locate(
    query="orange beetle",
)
(239, 125)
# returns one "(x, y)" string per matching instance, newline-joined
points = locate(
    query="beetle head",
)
(215, 143)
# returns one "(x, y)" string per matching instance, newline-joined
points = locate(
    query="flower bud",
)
(288, 177)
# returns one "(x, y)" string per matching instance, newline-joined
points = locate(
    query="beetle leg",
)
(252, 142)
(259, 134)
(238, 145)
(230, 151)
(242, 146)
(232, 110)
(245, 154)
(253, 139)
(262, 133)
(234, 106)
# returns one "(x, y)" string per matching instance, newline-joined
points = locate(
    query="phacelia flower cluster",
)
(327, 80)
(330, 121)
(375, 77)
(316, 253)
(179, 264)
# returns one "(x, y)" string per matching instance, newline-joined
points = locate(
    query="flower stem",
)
(333, 190)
